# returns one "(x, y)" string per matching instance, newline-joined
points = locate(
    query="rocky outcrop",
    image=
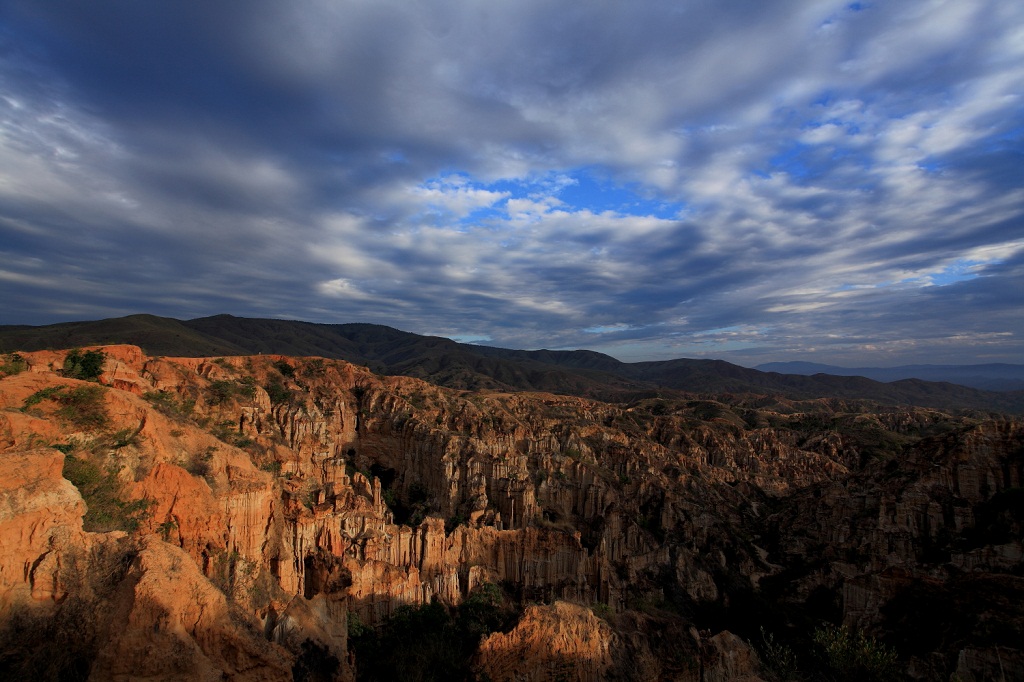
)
(562, 641)
(171, 623)
(40, 521)
(940, 525)
(727, 658)
(566, 641)
(291, 494)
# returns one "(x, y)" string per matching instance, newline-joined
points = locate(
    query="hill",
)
(450, 364)
(988, 377)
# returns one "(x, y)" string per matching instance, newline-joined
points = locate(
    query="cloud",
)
(736, 180)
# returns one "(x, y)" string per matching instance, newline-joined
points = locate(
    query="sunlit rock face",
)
(289, 501)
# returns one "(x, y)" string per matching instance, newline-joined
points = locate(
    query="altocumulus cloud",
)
(748, 180)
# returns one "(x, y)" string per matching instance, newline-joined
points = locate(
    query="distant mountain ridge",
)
(444, 362)
(987, 377)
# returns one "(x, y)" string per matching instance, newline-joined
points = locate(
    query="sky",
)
(746, 180)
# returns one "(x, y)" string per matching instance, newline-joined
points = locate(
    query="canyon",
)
(272, 517)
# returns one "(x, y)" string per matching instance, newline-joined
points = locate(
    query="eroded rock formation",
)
(284, 497)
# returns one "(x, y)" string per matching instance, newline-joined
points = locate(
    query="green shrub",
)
(12, 364)
(125, 437)
(247, 386)
(263, 589)
(199, 463)
(356, 626)
(778, 659)
(484, 611)
(87, 366)
(453, 522)
(278, 392)
(284, 368)
(166, 403)
(108, 509)
(42, 394)
(224, 571)
(314, 368)
(602, 611)
(83, 407)
(227, 432)
(220, 392)
(167, 528)
(855, 655)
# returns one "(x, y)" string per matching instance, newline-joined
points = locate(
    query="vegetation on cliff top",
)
(11, 364)
(87, 365)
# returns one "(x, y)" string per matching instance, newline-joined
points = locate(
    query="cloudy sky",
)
(746, 180)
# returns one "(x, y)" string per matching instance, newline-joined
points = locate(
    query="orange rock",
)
(562, 641)
(40, 518)
(564, 498)
(172, 624)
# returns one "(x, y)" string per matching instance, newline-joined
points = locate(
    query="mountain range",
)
(447, 363)
(996, 376)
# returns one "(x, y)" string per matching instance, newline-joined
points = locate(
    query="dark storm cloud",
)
(786, 178)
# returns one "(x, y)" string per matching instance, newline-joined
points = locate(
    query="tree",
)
(87, 366)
